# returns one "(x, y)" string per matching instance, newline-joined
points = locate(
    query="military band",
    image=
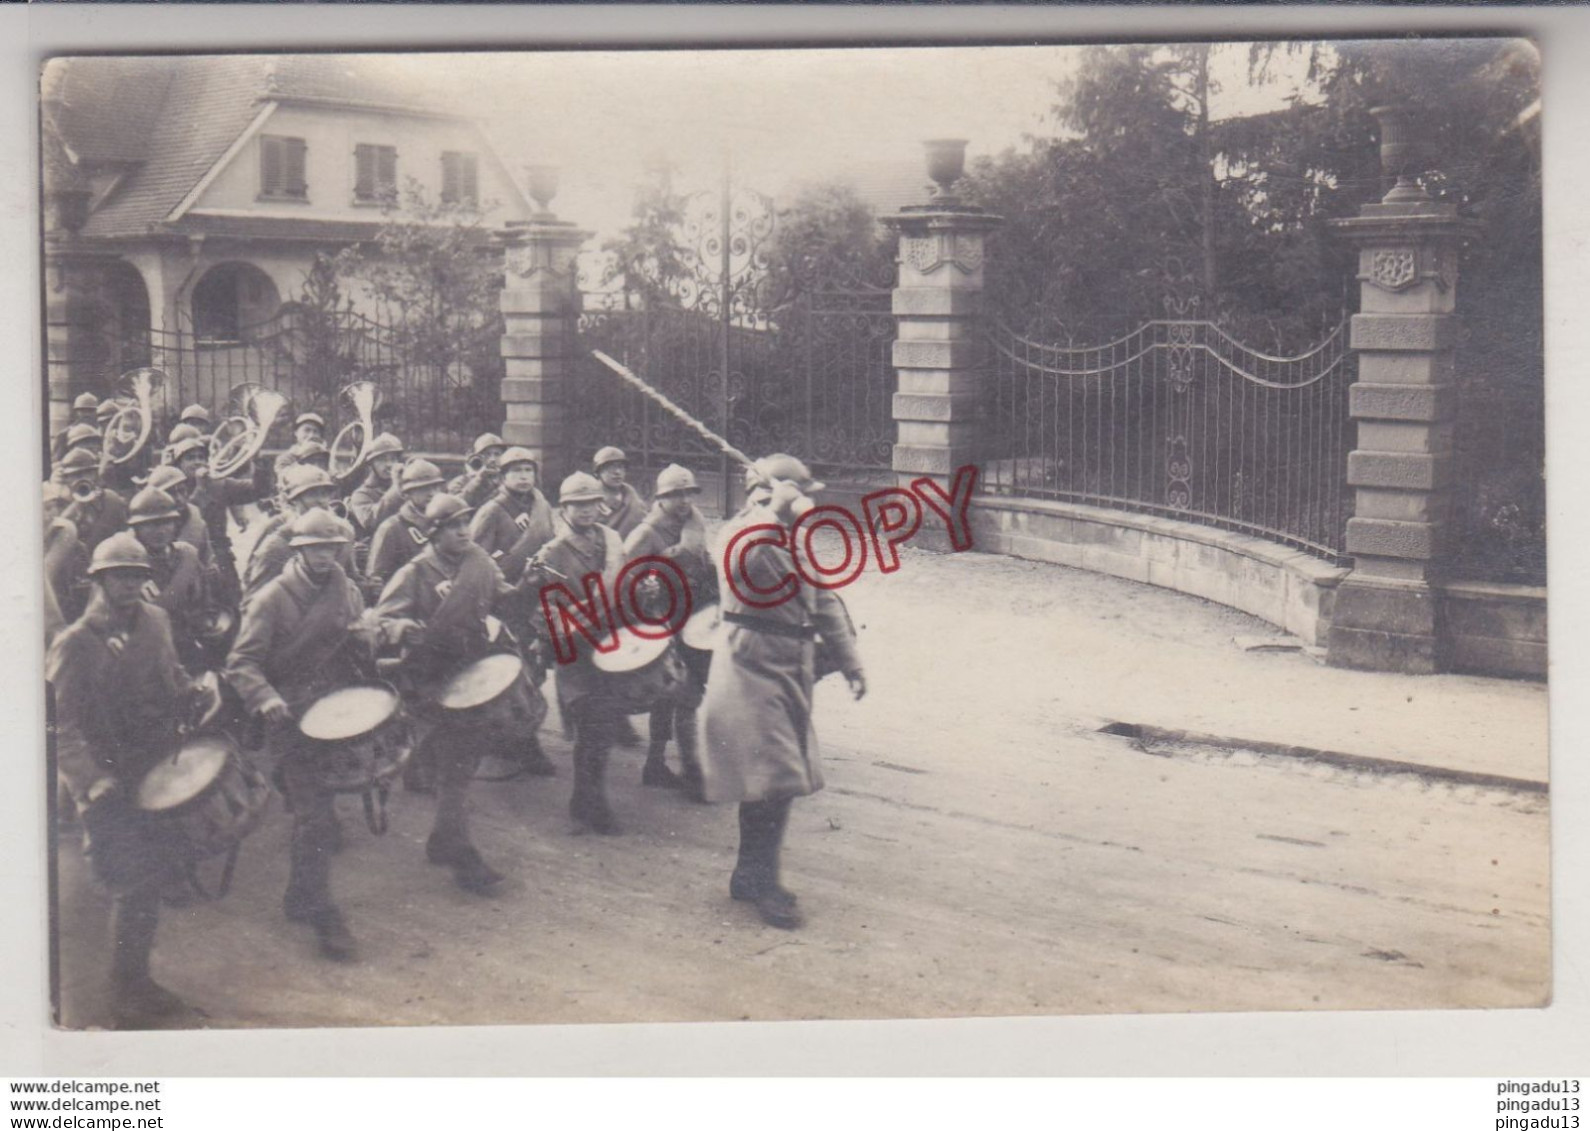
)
(142, 601)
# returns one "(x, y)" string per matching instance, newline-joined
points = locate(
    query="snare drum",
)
(704, 628)
(493, 692)
(640, 673)
(207, 797)
(359, 737)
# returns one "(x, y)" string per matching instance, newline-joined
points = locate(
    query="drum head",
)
(177, 781)
(348, 713)
(633, 653)
(704, 628)
(493, 628)
(481, 682)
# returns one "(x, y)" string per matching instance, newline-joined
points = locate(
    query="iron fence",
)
(309, 355)
(1177, 418)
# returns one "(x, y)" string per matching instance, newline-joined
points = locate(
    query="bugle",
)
(128, 431)
(352, 443)
(239, 438)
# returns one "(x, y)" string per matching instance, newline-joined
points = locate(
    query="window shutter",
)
(364, 172)
(297, 184)
(470, 188)
(452, 190)
(386, 179)
(270, 166)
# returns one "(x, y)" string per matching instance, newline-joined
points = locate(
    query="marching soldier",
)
(377, 498)
(480, 478)
(63, 564)
(119, 695)
(676, 530)
(517, 521)
(401, 537)
(299, 640)
(82, 413)
(214, 499)
(192, 530)
(436, 608)
(585, 693)
(312, 452)
(84, 436)
(309, 428)
(176, 577)
(306, 489)
(760, 748)
(622, 507)
(96, 510)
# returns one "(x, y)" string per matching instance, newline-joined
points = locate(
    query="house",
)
(187, 196)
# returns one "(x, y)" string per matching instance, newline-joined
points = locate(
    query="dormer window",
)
(460, 179)
(281, 168)
(375, 173)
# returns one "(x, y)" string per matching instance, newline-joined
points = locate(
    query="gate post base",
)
(1386, 625)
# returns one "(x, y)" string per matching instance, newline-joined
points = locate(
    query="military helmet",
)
(675, 480)
(151, 505)
(119, 551)
(383, 445)
(419, 473)
(319, 527)
(85, 400)
(608, 455)
(445, 508)
(183, 432)
(308, 450)
(176, 451)
(195, 412)
(518, 455)
(107, 409)
(581, 487)
(166, 478)
(300, 478)
(81, 434)
(485, 442)
(77, 460)
(310, 418)
(781, 466)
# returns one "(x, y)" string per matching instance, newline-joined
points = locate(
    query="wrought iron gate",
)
(768, 353)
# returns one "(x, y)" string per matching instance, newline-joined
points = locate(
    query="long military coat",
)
(119, 693)
(759, 743)
(625, 514)
(512, 528)
(397, 542)
(293, 642)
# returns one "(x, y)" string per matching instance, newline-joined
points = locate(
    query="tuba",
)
(352, 444)
(128, 431)
(239, 438)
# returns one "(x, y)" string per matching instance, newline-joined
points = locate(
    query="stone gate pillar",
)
(939, 349)
(1387, 613)
(541, 308)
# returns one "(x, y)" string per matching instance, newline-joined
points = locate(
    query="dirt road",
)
(981, 849)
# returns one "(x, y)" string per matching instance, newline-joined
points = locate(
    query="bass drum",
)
(206, 798)
(640, 673)
(359, 737)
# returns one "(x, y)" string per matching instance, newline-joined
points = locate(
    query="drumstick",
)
(706, 433)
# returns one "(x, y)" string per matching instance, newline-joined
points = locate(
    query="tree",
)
(434, 279)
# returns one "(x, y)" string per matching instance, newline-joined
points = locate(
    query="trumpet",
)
(239, 438)
(352, 444)
(84, 491)
(475, 464)
(128, 431)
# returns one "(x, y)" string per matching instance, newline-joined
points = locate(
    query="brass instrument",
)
(128, 431)
(475, 464)
(84, 490)
(239, 438)
(352, 443)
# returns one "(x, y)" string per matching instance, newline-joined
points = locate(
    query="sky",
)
(781, 117)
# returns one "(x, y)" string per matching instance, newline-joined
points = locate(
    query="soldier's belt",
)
(772, 627)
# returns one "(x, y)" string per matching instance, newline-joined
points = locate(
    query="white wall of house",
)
(330, 136)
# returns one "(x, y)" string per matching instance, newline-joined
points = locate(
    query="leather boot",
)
(137, 1000)
(589, 805)
(331, 932)
(655, 773)
(534, 759)
(473, 874)
(756, 875)
(419, 774)
(687, 734)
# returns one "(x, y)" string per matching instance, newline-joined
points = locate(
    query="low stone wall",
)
(1495, 629)
(1285, 587)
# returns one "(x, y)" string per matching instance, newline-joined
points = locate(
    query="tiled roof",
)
(176, 116)
(888, 187)
(276, 229)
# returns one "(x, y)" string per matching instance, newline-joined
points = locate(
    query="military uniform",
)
(398, 541)
(119, 693)
(449, 600)
(512, 528)
(681, 540)
(294, 646)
